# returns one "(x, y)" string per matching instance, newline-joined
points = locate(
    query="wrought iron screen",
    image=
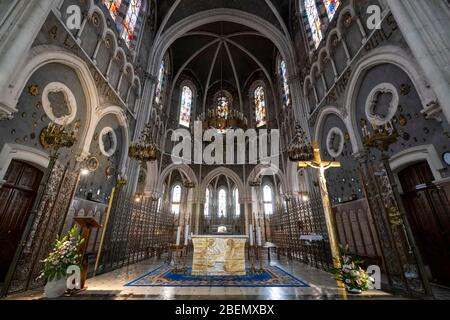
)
(136, 231)
(302, 219)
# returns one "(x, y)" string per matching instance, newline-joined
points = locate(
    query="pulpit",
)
(219, 256)
(86, 224)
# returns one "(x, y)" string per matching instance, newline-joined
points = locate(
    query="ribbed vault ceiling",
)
(223, 51)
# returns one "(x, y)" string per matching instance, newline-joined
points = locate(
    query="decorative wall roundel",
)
(335, 142)
(67, 98)
(107, 141)
(378, 99)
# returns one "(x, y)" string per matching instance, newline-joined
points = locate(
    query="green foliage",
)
(352, 274)
(65, 253)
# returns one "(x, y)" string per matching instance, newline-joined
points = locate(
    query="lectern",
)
(86, 224)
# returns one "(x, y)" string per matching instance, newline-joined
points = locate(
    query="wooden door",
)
(16, 200)
(428, 210)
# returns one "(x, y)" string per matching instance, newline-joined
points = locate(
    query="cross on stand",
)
(323, 166)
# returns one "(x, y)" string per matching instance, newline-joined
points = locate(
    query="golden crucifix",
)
(323, 166)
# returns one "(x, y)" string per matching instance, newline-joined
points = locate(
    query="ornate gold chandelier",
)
(56, 136)
(145, 149)
(380, 137)
(217, 119)
(300, 149)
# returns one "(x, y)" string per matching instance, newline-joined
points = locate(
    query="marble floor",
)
(111, 286)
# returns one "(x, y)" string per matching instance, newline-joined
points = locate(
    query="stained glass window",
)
(223, 106)
(176, 199)
(161, 83)
(314, 21)
(285, 84)
(222, 203)
(207, 199)
(130, 21)
(113, 7)
(236, 202)
(268, 199)
(331, 6)
(186, 106)
(260, 107)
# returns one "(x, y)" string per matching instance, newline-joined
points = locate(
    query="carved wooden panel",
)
(16, 199)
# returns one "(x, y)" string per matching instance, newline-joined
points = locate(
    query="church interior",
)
(221, 149)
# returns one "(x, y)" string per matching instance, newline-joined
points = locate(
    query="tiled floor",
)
(111, 286)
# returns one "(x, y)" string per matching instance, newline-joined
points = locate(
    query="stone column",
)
(18, 30)
(425, 26)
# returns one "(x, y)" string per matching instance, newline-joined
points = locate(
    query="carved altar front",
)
(219, 256)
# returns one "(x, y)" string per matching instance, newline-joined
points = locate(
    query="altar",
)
(219, 255)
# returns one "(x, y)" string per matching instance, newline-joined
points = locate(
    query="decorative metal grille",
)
(137, 231)
(302, 218)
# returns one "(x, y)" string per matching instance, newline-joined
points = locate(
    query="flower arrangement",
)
(355, 278)
(64, 254)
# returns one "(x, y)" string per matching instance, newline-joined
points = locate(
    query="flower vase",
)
(55, 288)
(353, 290)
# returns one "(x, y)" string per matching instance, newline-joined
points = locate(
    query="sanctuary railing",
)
(137, 230)
(299, 232)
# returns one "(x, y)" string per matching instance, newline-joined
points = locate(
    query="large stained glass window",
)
(131, 19)
(113, 7)
(186, 106)
(223, 106)
(260, 107)
(161, 83)
(222, 203)
(331, 6)
(314, 21)
(268, 199)
(285, 84)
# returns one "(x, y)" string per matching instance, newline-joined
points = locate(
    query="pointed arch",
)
(258, 94)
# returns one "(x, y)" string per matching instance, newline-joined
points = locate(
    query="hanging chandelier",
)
(300, 149)
(56, 136)
(380, 137)
(218, 118)
(145, 149)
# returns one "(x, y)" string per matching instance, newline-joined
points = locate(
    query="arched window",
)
(260, 106)
(186, 106)
(285, 85)
(159, 93)
(130, 22)
(222, 203)
(223, 106)
(113, 7)
(268, 199)
(314, 21)
(176, 199)
(236, 202)
(207, 201)
(331, 6)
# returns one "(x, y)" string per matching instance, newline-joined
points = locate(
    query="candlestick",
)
(258, 236)
(178, 236)
(186, 235)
